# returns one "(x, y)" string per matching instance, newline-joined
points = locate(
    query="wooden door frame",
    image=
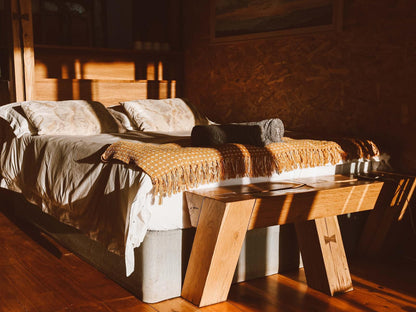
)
(22, 59)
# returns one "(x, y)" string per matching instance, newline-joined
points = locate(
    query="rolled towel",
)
(258, 133)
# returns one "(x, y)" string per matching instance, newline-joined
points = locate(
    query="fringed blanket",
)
(173, 168)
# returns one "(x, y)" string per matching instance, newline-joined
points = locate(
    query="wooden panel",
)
(105, 74)
(99, 63)
(108, 92)
(323, 255)
(69, 69)
(105, 70)
(111, 93)
(217, 244)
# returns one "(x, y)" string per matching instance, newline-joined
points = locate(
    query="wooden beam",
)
(22, 54)
(17, 88)
(27, 49)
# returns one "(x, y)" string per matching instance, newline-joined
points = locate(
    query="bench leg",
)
(217, 244)
(390, 207)
(323, 255)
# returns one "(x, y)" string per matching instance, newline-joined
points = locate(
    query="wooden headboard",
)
(105, 75)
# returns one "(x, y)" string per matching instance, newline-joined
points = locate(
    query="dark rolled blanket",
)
(258, 133)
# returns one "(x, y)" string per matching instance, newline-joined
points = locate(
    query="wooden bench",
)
(223, 216)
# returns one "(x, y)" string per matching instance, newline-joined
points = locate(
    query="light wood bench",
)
(223, 216)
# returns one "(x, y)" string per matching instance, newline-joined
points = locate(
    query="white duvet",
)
(111, 202)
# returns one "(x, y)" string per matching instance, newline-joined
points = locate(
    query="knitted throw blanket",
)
(173, 168)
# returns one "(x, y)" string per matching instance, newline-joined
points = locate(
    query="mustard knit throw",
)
(173, 168)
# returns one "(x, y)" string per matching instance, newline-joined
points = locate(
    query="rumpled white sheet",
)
(111, 202)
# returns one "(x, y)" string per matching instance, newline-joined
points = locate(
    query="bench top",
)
(293, 201)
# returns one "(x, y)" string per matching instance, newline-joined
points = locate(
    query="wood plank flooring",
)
(36, 274)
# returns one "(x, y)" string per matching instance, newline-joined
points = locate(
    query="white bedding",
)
(111, 202)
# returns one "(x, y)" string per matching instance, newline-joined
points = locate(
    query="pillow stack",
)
(79, 117)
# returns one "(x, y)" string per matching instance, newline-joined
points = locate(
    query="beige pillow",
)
(72, 117)
(15, 117)
(121, 116)
(161, 115)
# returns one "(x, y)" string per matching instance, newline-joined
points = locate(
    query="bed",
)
(108, 212)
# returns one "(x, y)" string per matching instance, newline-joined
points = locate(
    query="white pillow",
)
(122, 117)
(161, 115)
(15, 116)
(72, 117)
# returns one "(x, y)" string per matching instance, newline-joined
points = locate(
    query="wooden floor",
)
(36, 274)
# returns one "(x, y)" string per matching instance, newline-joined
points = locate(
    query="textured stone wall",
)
(360, 81)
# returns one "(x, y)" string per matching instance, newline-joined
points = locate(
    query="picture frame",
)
(252, 19)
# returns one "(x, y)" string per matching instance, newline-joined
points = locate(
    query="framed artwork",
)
(233, 20)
